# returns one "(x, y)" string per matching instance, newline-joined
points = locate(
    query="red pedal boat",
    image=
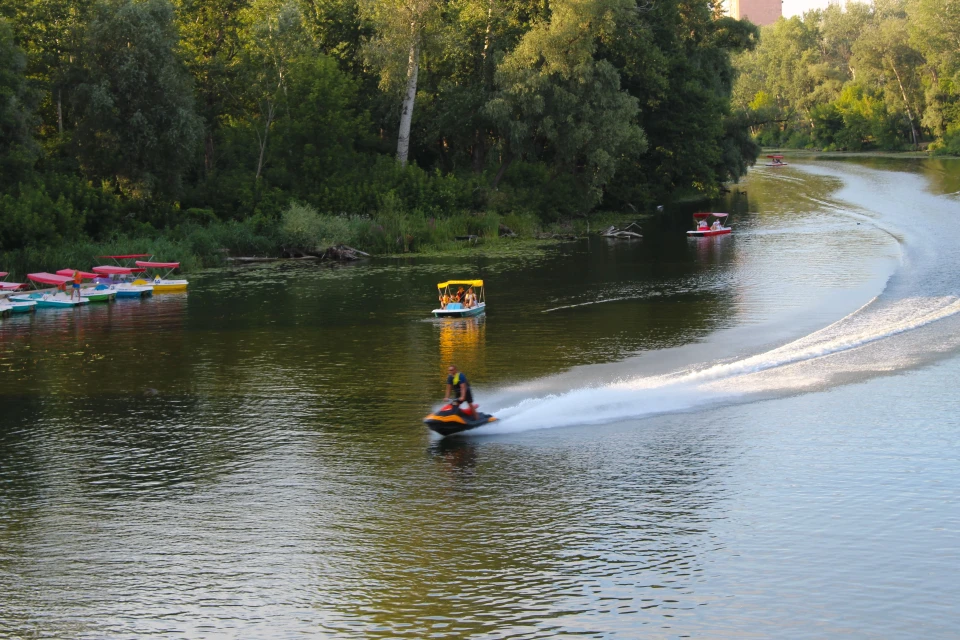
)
(703, 229)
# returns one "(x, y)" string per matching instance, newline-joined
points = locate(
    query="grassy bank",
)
(811, 153)
(301, 229)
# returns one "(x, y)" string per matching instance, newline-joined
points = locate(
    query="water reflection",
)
(462, 341)
(280, 482)
(455, 455)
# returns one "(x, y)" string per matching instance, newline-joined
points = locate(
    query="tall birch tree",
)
(395, 51)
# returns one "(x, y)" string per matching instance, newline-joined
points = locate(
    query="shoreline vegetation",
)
(199, 129)
(876, 153)
(865, 76)
(305, 233)
(195, 129)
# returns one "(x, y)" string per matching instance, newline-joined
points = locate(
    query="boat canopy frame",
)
(10, 286)
(704, 216)
(443, 287)
(43, 277)
(84, 275)
(124, 260)
(110, 270)
(169, 266)
(472, 283)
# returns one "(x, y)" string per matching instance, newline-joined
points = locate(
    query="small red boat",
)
(776, 161)
(704, 230)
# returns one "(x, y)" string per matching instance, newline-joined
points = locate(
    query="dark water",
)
(753, 435)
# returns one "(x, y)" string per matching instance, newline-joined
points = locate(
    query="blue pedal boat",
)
(463, 303)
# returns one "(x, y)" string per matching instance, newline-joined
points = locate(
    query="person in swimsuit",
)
(458, 390)
(77, 279)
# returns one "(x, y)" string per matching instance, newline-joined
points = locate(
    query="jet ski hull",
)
(448, 421)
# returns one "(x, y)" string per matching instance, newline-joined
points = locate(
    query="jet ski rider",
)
(457, 383)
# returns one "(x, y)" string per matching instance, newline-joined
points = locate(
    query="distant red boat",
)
(704, 230)
(776, 161)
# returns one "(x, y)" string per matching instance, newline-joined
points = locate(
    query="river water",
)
(747, 436)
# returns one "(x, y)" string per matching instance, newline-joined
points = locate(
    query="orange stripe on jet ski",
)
(447, 419)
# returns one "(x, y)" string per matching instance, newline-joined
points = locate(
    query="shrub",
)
(304, 229)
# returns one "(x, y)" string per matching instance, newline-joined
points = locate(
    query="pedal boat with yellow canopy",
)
(457, 309)
(163, 283)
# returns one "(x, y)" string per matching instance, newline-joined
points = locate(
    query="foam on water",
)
(910, 323)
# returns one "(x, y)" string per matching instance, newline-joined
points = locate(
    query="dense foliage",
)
(884, 75)
(133, 118)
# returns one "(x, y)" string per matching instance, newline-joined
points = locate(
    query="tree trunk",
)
(507, 159)
(60, 110)
(263, 139)
(444, 150)
(488, 35)
(208, 153)
(479, 152)
(906, 105)
(406, 115)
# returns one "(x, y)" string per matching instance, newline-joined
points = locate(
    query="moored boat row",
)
(105, 283)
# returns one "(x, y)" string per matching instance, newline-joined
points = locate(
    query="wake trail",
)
(881, 336)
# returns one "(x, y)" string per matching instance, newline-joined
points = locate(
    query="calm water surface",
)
(748, 436)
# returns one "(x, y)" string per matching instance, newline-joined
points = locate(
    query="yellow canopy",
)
(469, 283)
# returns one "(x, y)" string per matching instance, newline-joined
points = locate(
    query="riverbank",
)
(303, 231)
(812, 153)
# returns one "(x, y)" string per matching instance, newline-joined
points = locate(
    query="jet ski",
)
(449, 420)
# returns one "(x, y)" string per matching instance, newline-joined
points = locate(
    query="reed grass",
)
(392, 230)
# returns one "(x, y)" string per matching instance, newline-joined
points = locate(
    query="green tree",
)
(889, 62)
(51, 33)
(136, 121)
(212, 46)
(935, 32)
(558, 103)
(453, 128)
(318, 137)
(18, 150)
(275, 37)
(400, 26)
(676, 59)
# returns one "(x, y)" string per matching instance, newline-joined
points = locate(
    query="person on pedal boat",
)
(77, 281)
(458, 390)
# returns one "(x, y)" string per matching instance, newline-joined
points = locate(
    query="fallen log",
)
(356, 251)
(343, 253)
(556, 236)
(246, 259)
(623, 234)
